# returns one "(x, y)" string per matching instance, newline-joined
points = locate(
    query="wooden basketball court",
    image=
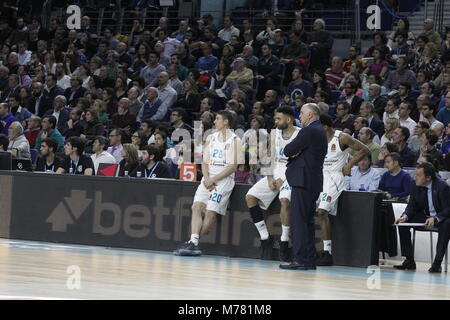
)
(37, 270)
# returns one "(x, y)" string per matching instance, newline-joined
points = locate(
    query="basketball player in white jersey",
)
(261, 195)
(336, 165)
(220, 160)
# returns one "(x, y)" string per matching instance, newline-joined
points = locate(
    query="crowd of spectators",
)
(118, 98)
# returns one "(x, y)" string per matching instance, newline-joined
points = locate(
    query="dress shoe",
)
(435, 268)
(406, 265)
(297, 266)
(324, 259)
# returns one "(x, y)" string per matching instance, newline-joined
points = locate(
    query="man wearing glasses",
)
(115, 142)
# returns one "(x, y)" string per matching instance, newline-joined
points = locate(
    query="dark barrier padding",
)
(355, 231)
(155, 215)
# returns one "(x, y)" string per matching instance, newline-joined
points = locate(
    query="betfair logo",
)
(69, 210)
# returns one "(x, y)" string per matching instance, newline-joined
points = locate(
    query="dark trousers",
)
(441, 246)
(303, 207)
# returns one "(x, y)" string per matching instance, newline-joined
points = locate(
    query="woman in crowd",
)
(429, 61)
(320, 82)
(141, 59)
(414, 141)
(228, 53)
(93, 125)
(130, 160)
(139, 140)
(379, 65)
(109, 97)
(391, 125)
(101, 108)
(402, 26)
(120, 88)
(218, 77)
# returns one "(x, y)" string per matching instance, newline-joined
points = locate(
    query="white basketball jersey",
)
(335, 159)
(280, 157)
(221, 154)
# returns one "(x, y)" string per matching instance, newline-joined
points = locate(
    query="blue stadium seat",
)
(34, 155)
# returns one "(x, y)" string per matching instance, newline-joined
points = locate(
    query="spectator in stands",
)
(93, 127)
(63, 80)
(135, 105)
(151, 106)
(363, 177)
(6, 118)
(174, 80)
(401, 75)
(320, 43)
(258, 109)
(433, 36)
(207, 64)
(379, 65)
(124, 58)
(49, 130)
(268, 70)
(48, 161)
(344, 120)
(367, 111)
(379, 41)
(13, 87)
(396, 183)
(404, 92)
(444, 113)
(391, 125)
(299, 86)
(386, 149)
(401, 47)
(75, 162)
(166, 94)
(251, 61)
(130, 160)
(428, 140)
(358, 124)
(115, 144)
(429, 60)
(19, 112)
(427, 112)
(335, 74)
(445, 147)
(354, 51)
(18, 144)
(270, 102)
(241, 75)
(61, 113)
(20, 33)
(428, 89)
(53, 89)
(403, 115)
(33, 129)
(123, 119)
(75, 125)
(400, 138)
(378, 101)
(414, 141)
(186, 58)
(159, 49)
(152, 165)
(402, 27)
(99, 147)
(292, 53)
(228, 29)
(177, 120)
(351, 98)
(151, 72)
(366, 136)
(139, 140)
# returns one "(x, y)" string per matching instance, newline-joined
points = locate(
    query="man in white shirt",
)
(403, 114)
(63, 79)
(24, 54)
(167, 94)
(228, 29)
(426, 112)
(101, 155)
(391, 110)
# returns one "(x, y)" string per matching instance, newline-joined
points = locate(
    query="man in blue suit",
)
(304, 174)
(429, 203)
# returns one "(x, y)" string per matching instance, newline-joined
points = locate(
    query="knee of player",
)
(211, 215)
(322, 214)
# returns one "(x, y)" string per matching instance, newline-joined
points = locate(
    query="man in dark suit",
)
(304, 174)
(61, 113)
(74, 92)
(53, 90)
(367, 111)
(429, 203)
(355, 102)
(40, 102)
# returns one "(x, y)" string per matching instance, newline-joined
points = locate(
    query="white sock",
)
(194, 238)
(262, 229)
(327, 245)
(285, 233)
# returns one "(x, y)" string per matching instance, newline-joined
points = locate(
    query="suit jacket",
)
(356, 104)
(305, 170)
(79, 93)
(441, 200)
(377, 126)
(44, 105)
(55, 91)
